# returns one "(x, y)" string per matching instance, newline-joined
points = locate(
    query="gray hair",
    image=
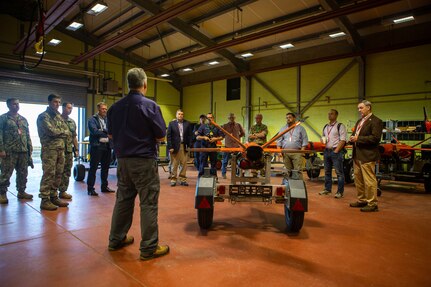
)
(136, 78)
(367, 103)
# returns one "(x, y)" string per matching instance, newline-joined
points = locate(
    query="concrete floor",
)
(247, 245)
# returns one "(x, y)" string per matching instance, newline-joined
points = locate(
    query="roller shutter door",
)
(35, 88)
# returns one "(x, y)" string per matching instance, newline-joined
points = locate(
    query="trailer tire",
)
(426, 173)
(205, 217)
(313, 173)
(349, 172)
(79, 172)
(294, 219)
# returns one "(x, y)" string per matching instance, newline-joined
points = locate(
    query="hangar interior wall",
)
(398, 83)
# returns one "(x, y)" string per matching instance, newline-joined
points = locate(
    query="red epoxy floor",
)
(247, 245)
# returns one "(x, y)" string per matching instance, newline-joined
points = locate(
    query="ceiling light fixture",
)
(54, 42)
(247, 55)
(403, 19)
(40, 52)
(287, 46)
(74, 26)
(336, 35)
(164, 75)
(212, 63)
(187, 69)
(98, 8)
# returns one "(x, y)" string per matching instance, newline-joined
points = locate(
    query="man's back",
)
(135, 123)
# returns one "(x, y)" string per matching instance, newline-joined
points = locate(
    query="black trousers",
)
(99, 154)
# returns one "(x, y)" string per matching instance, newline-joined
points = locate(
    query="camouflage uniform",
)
(68, 155)
(53, 132)
(15, 141)
(255, 129)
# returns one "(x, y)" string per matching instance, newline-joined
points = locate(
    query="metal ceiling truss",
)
(372, 44)
(344, 23)
(173, 11)
(328, 15)
(193, 22)
(192, 33)
(247, 30)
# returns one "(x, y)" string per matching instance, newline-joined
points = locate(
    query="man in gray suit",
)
(365, 140)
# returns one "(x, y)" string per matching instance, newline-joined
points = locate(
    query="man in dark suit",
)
(365, 140)
(100, 150)
(179, 139)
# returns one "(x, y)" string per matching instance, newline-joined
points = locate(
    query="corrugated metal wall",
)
(35, 88)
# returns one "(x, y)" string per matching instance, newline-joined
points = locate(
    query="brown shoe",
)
(58, 202)
(46, 204)
(24, 195)
(126, 241)
(369, 208)
(160, 251)
(65, 195)
(3, 199)
(358, 204)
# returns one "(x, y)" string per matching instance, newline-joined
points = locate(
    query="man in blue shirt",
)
(296, 138)
(136, 126)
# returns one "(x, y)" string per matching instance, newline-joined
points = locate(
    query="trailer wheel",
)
(426, 173)
(79, 172)
(313, 173)
(205, 217)
(349, 172)
(294, 219)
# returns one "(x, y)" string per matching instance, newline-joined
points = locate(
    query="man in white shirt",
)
(334, 137)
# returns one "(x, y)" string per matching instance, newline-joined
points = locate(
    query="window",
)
(233, 89)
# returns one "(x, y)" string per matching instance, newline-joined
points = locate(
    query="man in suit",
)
(100, 150)
(179, 139)
(365, 140)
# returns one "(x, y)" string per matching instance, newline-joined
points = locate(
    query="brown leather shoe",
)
(369, 208)
(358, 204)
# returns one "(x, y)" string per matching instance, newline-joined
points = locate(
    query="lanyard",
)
(359, 127)
(329, 132)
(291, 134)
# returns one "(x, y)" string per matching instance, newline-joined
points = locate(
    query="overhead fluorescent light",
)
(164, 75)
(98, 8)
(287, 46)
(54, 42)
(187, 69)
(212, 63)
(404, 19)
(74, 26)
(247, 55)
(336, 35)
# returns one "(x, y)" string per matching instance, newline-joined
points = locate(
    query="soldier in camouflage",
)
(71, 150)
(258, 131)
(53, 133)
(15, 151)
